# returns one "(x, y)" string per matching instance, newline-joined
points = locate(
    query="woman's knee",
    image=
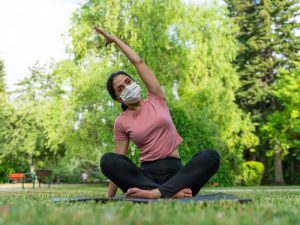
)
(107, 160)
(213, 156)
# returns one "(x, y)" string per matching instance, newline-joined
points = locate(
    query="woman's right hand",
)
(109, 38)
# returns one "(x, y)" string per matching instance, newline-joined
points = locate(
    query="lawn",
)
(271, 205)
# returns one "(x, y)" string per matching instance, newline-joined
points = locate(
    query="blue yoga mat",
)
(198, 198)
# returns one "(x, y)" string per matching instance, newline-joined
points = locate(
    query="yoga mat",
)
(198, 198)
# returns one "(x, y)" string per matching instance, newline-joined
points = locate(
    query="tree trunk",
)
(31, 165)
(278, 166)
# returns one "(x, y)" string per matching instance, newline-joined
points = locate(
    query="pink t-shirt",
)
(150, 128)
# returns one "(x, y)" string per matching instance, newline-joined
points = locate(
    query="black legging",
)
(168, 174)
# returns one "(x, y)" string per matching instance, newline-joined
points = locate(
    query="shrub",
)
(225, 175)
(4, 172)
(70, 172)
(252, 173)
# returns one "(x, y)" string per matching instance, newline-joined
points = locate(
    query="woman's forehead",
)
(119, 80)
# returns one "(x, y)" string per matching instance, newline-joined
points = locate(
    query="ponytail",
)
(124, 106)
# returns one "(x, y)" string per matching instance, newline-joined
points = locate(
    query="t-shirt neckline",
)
(137, 111)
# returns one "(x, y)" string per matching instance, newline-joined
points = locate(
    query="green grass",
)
(271, 205)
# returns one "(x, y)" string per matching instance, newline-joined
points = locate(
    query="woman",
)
(148, 123)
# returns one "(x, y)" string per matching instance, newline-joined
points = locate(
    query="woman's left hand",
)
(109, 38)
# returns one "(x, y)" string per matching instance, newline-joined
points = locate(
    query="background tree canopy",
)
(62, 115)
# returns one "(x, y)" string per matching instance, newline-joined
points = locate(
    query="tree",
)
(4, 109)
(282, 129)
(91, 113)
(8, 164)
(267, 42)
(2, 74)
(37, 125)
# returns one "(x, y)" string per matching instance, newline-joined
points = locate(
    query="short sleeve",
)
(154, 97)
(119, 132)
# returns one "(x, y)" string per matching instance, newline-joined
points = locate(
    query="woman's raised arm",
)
(143, 70)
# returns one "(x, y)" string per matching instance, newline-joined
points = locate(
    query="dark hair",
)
(110, 87)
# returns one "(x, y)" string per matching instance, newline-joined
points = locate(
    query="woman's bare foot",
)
(183, 193)
(140, 193)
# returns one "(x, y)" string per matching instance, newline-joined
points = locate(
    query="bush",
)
(225, 175)
(65, 175)
(4, 172)
(252, 173)
(70, 172)
(11, 166)
(199, 133)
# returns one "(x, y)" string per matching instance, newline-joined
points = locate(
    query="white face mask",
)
(131, 93)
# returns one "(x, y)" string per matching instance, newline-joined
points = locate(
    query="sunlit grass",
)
(34, 207)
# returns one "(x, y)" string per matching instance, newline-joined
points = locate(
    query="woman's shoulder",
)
(152, 95)
(121, 116)
(157, 100)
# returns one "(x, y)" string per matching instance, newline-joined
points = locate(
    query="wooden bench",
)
(39, 175)
(42, 175)
(15, 177)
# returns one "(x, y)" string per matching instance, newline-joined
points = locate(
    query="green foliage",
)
(10, 165)
(283, 125)
(291, 174)
(252, 173)
(6, 113)
(70, 171)
(196, 135)
(4, 172)
(2, 81)
(227, 175)
(199, 133)
(6, 128)
(208, 84)
(33, 131)
(88, 110)
(282, 128)
(268, 40)
(146, 29)
(65, 175)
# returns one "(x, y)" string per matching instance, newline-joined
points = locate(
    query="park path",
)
(12, 187)
(17, 187)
